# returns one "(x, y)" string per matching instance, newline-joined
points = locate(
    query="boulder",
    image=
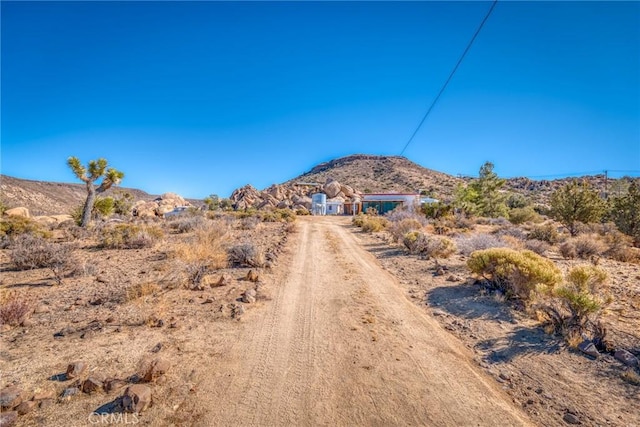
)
(92, 384)
(331, 189)
(20, 211)
(136, 398)
(346, 190)
(10, 397)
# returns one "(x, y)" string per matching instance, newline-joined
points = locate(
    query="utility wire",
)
(493, 5)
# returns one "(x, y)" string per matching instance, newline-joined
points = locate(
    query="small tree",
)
(483, 196)
(212, 202)
(625, 212)
(97, 169)
(576, 203)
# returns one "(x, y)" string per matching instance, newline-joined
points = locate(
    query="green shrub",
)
(129, 236)
(13, 226)
(522, 215)
(103, 207)
(516, 273)
(576, 305)
(437, 210)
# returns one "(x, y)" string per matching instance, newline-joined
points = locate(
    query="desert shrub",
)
(498, 222)
(618, 246)
(437, 210)
(278, 215)
(13, 226)
(510, 230)
(291, 227)
(14, 309)
(249, 223)
(522, 215)
(461, 221)
(358, 220)
(29, 251)
(568, 249)
(202, 252)
(246, 254)
(537, 246)
(373, 224)
(518, 274)
(443, 226)
(517, 201)
(302, 212)
(468, 244)
(186, 223)
(587, 245)
(545, 232)
(435, 246)
(103, 207)
(140, 290)
(410, 240)
(400, 214)
(576, 305)
(625, 212)
(398, 229)
(129, 236)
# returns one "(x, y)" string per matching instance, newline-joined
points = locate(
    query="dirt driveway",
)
(340, 344)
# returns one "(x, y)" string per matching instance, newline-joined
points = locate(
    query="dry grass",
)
(140, 290)
(631, 376)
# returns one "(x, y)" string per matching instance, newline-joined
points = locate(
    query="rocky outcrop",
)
(23, 212)
(159, 206)
(291, 195)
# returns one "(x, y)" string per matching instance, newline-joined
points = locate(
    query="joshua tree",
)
(97, 169)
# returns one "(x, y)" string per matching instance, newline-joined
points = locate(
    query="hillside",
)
(50, 198)
(378, 174)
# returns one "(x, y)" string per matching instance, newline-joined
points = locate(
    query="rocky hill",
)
(51, 198)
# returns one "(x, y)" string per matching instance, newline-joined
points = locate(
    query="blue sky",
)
(204, 97)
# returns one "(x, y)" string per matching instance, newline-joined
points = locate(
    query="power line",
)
(493, 5)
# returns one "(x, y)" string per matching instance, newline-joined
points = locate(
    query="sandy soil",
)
(340, 344)
(540, 372)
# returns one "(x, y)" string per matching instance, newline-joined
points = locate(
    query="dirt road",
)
(340, 344)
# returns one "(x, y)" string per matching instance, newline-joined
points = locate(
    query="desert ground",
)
(332, 327)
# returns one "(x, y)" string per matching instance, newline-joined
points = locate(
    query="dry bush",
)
(140, 290)
(246, 254)
(250, 223)
(129, 236)
(518, 274)
(398, 229)
(475, 242)
(443, 226)
(511, 231)
(358, 220)
(372, 224)
(31, 251)
(537, 246)
(203, 252)
(568, 250)
(428, 246)
(587, 245)
(291, 227)
(278, 215)
(545, 232)
(186, 223)
(14, 309)
(619, 246)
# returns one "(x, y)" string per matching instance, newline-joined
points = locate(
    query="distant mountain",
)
(382, 174)
(51, 198)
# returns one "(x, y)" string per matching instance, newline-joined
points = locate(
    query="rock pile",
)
(159, 206)
(293, 196)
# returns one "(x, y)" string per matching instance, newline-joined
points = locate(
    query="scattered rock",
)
(10, 397)
(7, 419)
(156, 348)
(453, 278)
(75, 369)
(625, 357)
(213, 281)
(439, 271)
(112, 384)
(237, 310)
(589, 348)
(569, 418)
(155, 369)
(136, 398)
(252, 276)
(42, 395)
(69, 392)
(91, 385)
(249, 296)
(26, 407)
(45, 403)
(505, 376)
(41, 309)
(64, 332)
